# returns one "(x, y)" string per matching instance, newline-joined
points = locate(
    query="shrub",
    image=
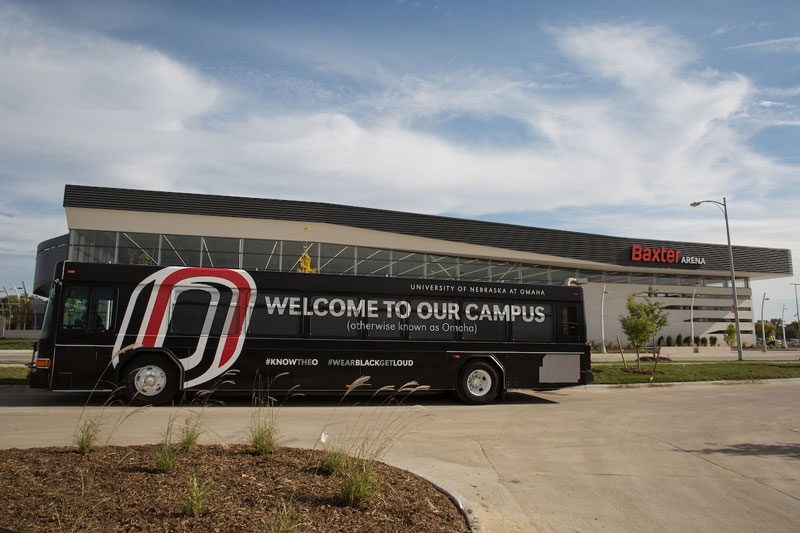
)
(86, 435)
(669, 340)
(164, 457)
(261, 436)
(190, 433)
(285, 522)
(730, 335)
(165, 451)
(334, 460)
(357, 485)
(713, 340)
(704, 341)
(679, 340)
(368, 439)
(197, 494)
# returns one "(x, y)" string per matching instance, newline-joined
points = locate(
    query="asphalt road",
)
(699, 458)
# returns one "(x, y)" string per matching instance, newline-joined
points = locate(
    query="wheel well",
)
(491, 360)
(133, 355)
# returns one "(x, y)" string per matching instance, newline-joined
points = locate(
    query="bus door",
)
(85, 334)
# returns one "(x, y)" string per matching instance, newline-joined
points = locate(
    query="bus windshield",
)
(48, 314)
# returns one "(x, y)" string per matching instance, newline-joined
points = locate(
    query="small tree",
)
(769, 329)
(730, 335)
(793, 330)
(643, 321)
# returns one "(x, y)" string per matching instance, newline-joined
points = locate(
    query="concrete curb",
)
(695, 383)
(466, 510)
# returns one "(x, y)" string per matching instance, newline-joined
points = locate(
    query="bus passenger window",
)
(190, 312)
(336, 317)
(101, 312)
(383, 327)
(539, 328)
(569, 320)
(271, 317)
(76, 308)
(480, 324)
(432, 320)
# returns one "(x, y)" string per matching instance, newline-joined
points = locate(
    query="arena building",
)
(692, 280)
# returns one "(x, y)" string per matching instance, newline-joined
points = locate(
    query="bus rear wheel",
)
(150, 379)
(478, 383)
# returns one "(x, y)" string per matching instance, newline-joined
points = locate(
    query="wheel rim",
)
(479, 382)
(150, 380)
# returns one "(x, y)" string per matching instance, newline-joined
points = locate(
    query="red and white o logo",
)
(167, 285)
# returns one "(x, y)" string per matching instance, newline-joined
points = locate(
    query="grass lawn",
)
(16, 344)
(13, 375)
(612, 374)
(609, 373)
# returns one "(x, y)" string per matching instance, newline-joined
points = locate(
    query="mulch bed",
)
(117, 488)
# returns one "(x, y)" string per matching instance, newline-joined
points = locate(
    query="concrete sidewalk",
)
(582, 459)
(749, 355)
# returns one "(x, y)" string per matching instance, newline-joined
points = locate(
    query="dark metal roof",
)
(566, 244)
(48, 253)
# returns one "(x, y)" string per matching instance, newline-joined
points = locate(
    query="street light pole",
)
(795, 302)
(724, 207)
(691, 319)
(8, 306)
(603, 319)
(763, 331)
(783, 325)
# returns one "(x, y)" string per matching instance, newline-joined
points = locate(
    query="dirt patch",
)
(117, 488)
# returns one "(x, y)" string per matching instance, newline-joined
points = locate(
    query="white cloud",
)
(784, 45)
(768, 103)
(639, 123)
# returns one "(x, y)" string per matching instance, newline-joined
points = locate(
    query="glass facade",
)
(282, 255)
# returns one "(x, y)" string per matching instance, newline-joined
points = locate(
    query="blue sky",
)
(604, 117)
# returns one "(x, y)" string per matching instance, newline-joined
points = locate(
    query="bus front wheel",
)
(150, 379)
(478, 383)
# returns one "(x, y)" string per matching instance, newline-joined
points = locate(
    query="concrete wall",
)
(617, 295)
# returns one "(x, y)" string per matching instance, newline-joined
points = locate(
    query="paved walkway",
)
(701, 458)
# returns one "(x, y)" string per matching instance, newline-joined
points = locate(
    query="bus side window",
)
(274, 321)
(191, 313)
(101, 311)
(432, 320)
(336, 322)
(569, 320)
(539, 329)
(76, 308)
(480, 324)
(383, 327)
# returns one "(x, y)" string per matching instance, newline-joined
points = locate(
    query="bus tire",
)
(150, 379)
(478, 383)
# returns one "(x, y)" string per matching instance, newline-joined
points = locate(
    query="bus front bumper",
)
(38, 379)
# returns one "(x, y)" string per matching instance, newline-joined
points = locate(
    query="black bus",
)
(157, 331)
